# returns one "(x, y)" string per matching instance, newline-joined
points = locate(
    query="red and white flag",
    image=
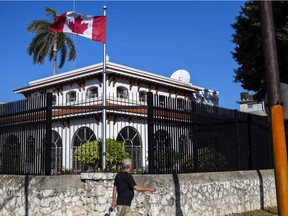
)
(92, 27)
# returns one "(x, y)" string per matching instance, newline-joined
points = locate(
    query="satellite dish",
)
(181, 75)
(283, 98)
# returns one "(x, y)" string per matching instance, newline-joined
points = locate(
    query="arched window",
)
(180, 103)
(162, 139)
(56, 151)
(11, 154)
(161, 100)
(162, 153)
(71, 96)
(143, 96)
(122, 92)
(54, 99)
(133, 144)
(92, 92)
(30, 149)
(81, 136)
(183, 143)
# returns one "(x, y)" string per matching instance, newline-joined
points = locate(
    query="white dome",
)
(181, 75)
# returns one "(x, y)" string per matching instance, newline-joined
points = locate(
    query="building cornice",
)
(111, 68)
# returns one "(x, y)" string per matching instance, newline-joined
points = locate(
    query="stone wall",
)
(202, 194)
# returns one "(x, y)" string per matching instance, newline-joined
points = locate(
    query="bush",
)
(115, 153)
(90, 154)
(165, 159)
(209, 160)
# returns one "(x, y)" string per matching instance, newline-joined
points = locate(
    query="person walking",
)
(124, 186)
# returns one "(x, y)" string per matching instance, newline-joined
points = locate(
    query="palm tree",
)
(49, 43)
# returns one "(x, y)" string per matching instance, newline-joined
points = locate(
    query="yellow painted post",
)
(276, 110)
(280, 158)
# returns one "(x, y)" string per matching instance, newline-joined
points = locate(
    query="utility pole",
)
(275, 107)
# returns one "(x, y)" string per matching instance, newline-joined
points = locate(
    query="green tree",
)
(49, 43)
(90, 153)
(248, 52)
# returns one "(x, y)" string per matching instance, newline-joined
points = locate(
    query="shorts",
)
(123, 210)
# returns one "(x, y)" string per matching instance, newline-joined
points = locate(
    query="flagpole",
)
(104, 105)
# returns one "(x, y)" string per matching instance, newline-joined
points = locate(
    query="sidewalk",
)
(263, 212)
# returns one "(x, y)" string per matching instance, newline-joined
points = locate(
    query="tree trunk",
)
(55, 54)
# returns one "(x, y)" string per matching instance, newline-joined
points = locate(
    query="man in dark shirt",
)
(124, 186)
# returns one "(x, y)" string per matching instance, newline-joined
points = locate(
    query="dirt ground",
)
(263, 212)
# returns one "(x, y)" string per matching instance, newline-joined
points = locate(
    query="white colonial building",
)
(249, 105)
(125, 86)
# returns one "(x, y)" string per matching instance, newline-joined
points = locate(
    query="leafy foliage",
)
(248, 52)
(165, 159)
(209, 160)
(12, 158)
(90, 153)
(47, 43)
(115, 152)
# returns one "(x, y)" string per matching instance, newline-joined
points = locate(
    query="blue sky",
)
(159, 37)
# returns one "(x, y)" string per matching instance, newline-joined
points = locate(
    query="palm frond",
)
(38, 26)
(63, 56)
(60, 40)
(72, 49)
(51, 12)
(37, 40)
(39, 47)
(36, 53)
(46, 46)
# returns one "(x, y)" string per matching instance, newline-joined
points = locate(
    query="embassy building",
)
(125, 86)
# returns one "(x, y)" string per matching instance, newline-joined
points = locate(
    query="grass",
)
(262, 212)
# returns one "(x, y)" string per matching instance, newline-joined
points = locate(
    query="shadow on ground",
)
(262, 212)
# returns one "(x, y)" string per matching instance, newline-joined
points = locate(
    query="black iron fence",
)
(40, 135)
(193, 137)
(25, 129)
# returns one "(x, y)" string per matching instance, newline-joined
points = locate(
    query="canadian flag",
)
(92, 27)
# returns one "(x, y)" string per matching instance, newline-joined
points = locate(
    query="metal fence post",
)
(48, 134)
(249, 128)
(151, 168)
(235, 116)
(195, 136)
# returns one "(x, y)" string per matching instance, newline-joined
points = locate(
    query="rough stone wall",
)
(202, 194)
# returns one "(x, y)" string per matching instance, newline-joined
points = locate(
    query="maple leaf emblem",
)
(78, 27)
